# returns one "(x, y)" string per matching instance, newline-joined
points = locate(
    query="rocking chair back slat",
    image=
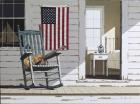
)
(34, 41)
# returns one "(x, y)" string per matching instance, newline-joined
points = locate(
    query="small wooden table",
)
(98, 56)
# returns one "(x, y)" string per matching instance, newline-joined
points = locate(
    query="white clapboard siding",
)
(12, 83)
(134, 58)
(69, 58)
(134, 71)
(74, 9)
(73, 27)
(69, 77)
(73, 34)
(68, 53)
(134, 15)
(53, 2)
(133, 34)
(134, 77)
(9, 74)
(133, 40)
(73, 21)
(10, 64)
(134, 65)
(11, 49)
(70, 71)
(7, 58)
(6, 53)
(134, 3)
(133, 22)
(70, 64)
(11, 71)
(16, 76)
(134, 9)
(73, 46)
(134, 53)
(132, 29)
(73, 15)
(73, 40)
(134, 46)
(69, 83)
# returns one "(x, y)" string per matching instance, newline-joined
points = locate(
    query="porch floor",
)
(74, 90)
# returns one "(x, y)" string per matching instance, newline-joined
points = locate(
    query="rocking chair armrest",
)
(51, 55)
(25, 55)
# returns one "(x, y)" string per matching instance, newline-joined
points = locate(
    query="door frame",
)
(123, 40)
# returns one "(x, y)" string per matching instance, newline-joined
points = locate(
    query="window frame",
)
(14, 18)
(102, 21)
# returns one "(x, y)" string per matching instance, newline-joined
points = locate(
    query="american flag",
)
(55, 27)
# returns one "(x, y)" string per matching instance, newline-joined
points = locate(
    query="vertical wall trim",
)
(121, 39)
(124, 39)
(82, 39)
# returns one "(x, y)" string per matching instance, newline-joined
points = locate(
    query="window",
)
(11, 15)
(94, 27)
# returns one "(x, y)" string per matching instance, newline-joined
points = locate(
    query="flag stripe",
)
(50, 36)
(67, 29)
(59, 27)
(56, 30)
(63, 18)
(54, 37)
(46, 37)
(65, 26)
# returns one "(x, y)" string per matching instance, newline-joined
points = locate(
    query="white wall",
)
(10, 66)
(131, 39)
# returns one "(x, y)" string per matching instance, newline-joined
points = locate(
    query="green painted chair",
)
(31, 46)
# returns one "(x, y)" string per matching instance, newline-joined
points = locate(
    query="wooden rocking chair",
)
(34, 61)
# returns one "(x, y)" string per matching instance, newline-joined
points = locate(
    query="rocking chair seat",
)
(44, 67)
